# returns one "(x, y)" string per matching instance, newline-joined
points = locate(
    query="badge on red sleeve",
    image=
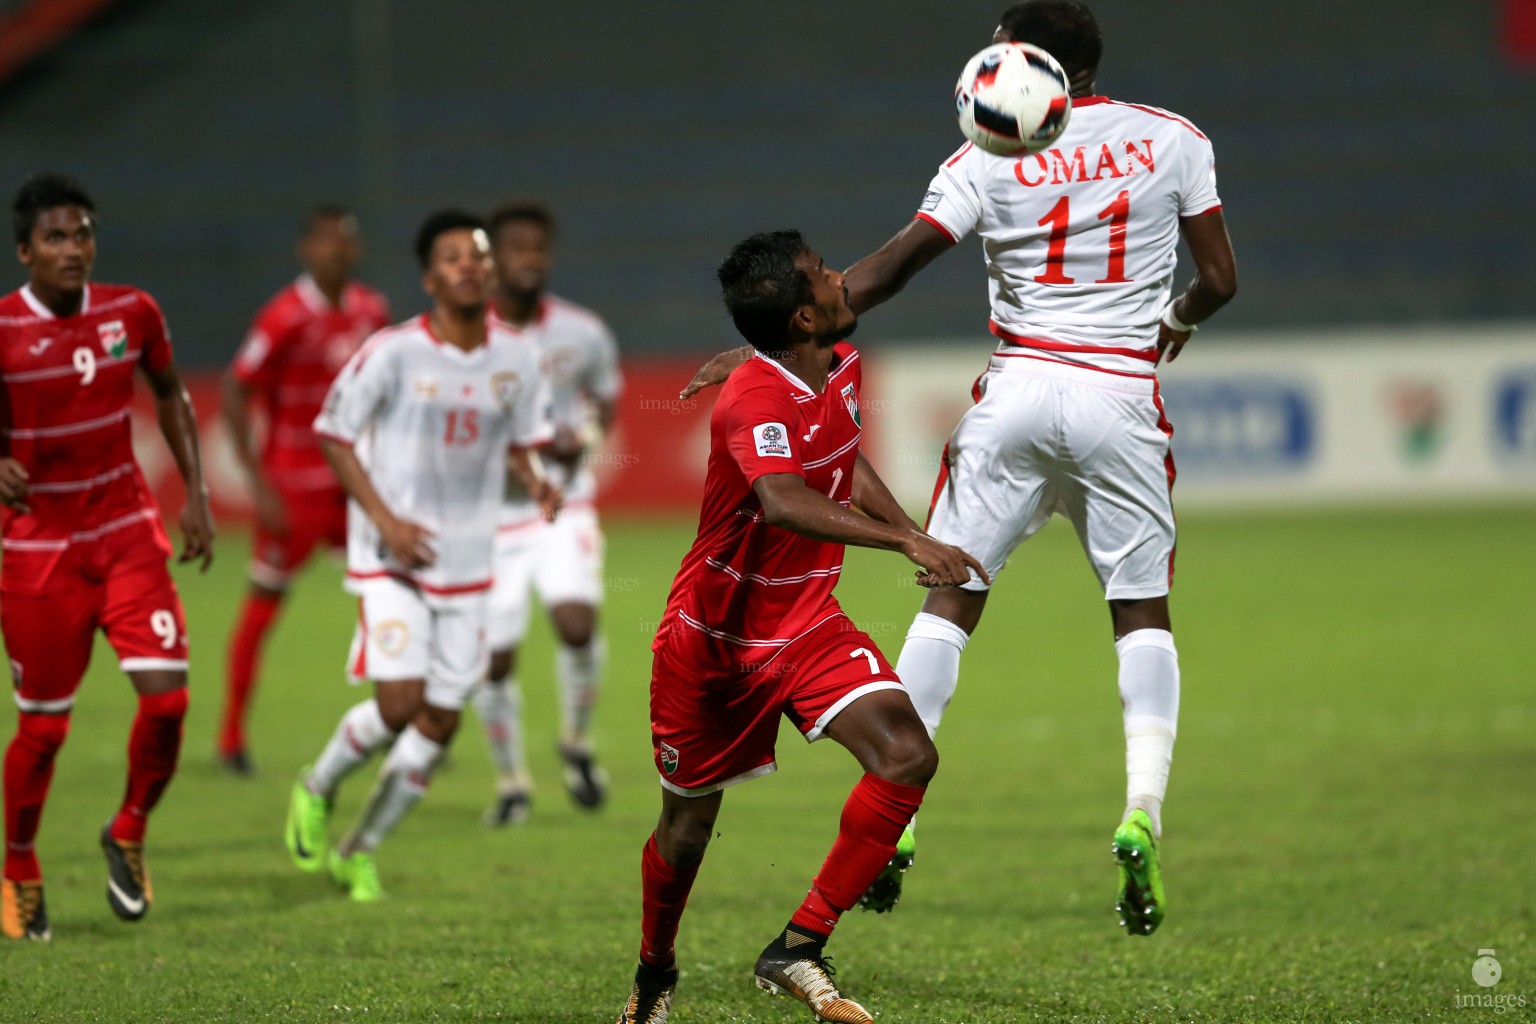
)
(772, 439)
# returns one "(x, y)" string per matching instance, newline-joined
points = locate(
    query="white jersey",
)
(431, 424)
(581, 364)
(1080, 240)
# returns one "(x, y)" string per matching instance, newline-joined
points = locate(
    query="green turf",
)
(1349, 820)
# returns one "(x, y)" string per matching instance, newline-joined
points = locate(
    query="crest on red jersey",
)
(667, 756)
(114, 338)
(851, 400)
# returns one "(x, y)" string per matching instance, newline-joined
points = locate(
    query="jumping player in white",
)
(1080, 247)
(562, 559)
(421, 428)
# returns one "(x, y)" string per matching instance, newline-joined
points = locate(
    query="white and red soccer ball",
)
(1012, 98)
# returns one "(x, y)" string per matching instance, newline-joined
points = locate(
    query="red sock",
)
(28, 771)
(665, 890)
(873, 818)
(245, 646)
(152, 748)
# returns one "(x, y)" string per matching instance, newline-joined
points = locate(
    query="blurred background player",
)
(1080, 255)
(296, 346)
(561, 559)
(752, 629)
(421, 428)
(84, 545)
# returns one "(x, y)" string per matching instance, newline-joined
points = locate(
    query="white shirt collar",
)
(36, 305)
(802, 385)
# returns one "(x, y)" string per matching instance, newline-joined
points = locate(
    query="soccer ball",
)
(1012, 98)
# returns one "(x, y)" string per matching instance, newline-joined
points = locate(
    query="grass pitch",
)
(1348, 821)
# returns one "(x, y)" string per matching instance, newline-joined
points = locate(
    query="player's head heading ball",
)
(43, 192)
(1066, 29)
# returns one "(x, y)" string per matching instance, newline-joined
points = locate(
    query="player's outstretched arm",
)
(178, 423)
(874, 499)
(1214, 285)
(886, 271)
(408, 542)
(716, 370)
(789, 504)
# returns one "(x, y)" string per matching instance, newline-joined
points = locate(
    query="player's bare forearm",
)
(607, 409)
(354, 479)
(886, 271)
(524, 466)
(1215, 281)
(875, 499)
(790, 505)
(178, 424)
(716, 370)
(235, 410)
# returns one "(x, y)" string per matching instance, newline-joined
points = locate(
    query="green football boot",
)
(358, 875)
(1141, 900)
(306, 829)
(885, 891)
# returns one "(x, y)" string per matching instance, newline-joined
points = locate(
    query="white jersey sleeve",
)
(602, 379)
(1197, 193)
(531, 423)
(364, 388)
(953, 202)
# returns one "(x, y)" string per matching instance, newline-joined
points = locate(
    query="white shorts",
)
(1045, 437)
(400, 636)
(562, 560)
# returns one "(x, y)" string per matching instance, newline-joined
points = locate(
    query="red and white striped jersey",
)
(294, 349)
(744, 582)
(431, 424)
(1081, 239)
(68, 389)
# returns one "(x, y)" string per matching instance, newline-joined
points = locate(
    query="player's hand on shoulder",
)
(13, 484)
(197, 532)
(716, 370)
(940, 564)
(408, 543)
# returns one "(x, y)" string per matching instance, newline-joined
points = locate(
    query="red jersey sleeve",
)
(761, 430)
(156, 352)
(255, 358)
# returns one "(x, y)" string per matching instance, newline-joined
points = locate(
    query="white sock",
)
(360, 732)
(1149, 693)
(499, 703)
(579, 670)
(929, 665)
(403, 779)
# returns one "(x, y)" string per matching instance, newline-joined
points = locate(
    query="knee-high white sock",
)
(360, 732)
(403, 778)
(500, 707)
(1149, 693)
(929, 665)
(579, 670)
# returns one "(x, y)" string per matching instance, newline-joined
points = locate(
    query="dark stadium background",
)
(1375, 157)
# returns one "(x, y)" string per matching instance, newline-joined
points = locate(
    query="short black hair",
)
(762, 286)
(527, 210)
(440, 223)
(1066, 29)
(322, 212)
(44, 192)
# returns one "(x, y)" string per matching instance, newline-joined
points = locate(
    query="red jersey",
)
(295, 348)
(751, 585)
(68, 387)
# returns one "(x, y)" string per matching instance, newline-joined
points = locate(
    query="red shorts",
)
(118, 584)
(715, 712)
(314, 517)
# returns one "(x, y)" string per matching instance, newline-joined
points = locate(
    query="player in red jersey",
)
(752, 630)
(299, 342)
(84, 547)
